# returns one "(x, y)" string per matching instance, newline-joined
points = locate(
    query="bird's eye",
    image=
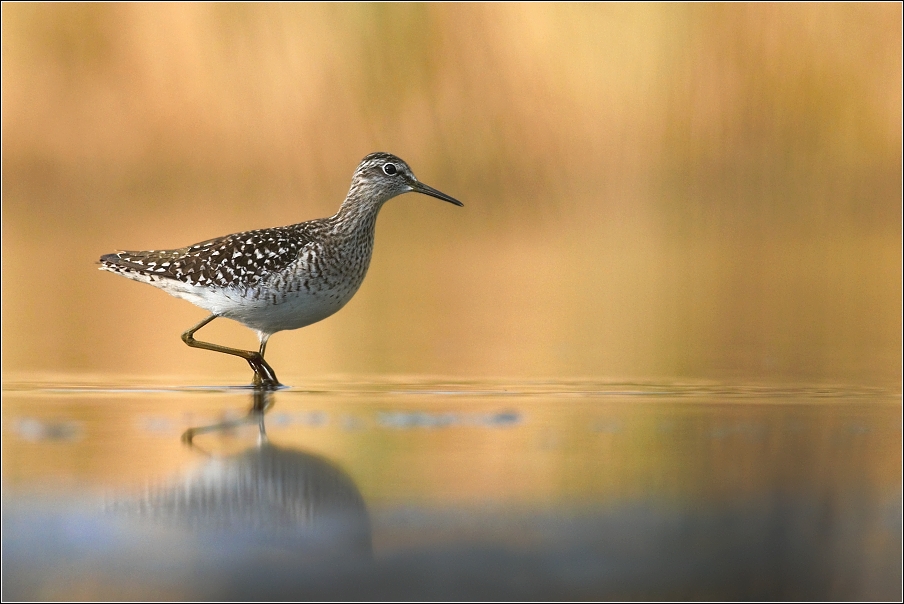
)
(390, 169)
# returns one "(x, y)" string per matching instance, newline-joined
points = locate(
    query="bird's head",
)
(382, 176)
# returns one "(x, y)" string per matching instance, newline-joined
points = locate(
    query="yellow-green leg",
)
(264, 376)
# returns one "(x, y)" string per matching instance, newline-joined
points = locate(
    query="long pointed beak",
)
(419, 187)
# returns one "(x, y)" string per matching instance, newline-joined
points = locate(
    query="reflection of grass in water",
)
(464, 450)
(722, 489)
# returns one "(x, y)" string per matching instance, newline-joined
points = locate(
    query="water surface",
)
(457, 490)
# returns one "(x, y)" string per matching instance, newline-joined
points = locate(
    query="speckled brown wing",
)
(237, 260)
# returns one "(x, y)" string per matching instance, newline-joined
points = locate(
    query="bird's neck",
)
(356, 214)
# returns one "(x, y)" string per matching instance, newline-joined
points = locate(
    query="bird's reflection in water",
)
(266, 495)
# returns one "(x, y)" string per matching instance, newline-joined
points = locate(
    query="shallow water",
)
(451, 490)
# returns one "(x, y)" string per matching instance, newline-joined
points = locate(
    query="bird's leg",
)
(260, 378)
(264, 376)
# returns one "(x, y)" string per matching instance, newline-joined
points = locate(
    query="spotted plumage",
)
(280, 278)
(240, 259)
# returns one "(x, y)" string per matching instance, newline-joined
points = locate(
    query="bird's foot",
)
(264, 376)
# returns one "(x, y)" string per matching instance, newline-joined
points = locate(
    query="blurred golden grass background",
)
(651, 192)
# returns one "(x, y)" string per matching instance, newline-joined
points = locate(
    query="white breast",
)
(290, 300)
